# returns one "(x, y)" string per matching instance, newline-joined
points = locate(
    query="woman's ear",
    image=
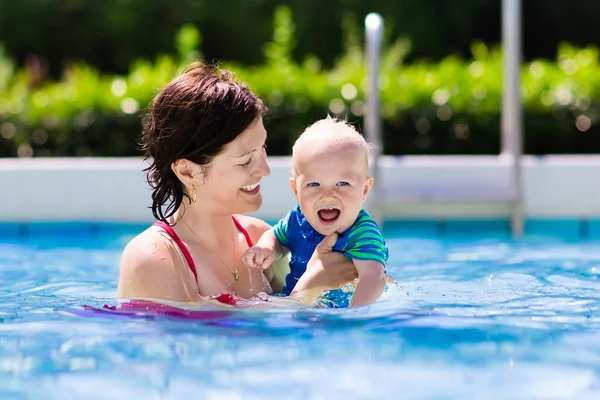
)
(188, 172)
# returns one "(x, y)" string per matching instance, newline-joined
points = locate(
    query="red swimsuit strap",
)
(244, 231)
(186, 253)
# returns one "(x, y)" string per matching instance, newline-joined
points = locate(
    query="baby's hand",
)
(258, 257)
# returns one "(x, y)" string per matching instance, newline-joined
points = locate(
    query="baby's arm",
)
(371, 282)
(264, 252)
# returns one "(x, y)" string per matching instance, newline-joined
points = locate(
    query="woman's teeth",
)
(250, 187)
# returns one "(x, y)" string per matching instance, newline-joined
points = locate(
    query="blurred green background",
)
(76, 75)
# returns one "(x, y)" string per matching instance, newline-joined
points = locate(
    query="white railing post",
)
(372, 121)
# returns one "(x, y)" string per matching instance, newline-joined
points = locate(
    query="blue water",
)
(471, 318)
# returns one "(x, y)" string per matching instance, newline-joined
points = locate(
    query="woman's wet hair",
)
(193, 117)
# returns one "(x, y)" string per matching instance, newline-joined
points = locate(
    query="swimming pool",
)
(472, 317)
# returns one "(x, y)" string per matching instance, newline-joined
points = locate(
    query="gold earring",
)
(193, 194)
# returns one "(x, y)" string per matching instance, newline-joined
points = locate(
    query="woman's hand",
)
(326, 269)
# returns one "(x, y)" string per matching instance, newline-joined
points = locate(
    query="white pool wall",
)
(413, 187)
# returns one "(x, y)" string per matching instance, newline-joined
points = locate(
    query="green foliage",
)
(449, 107)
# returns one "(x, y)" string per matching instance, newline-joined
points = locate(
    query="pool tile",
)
(411, 227)
(102, 228)
(496, 227)
(561, 228)
(57, 228)
(593, 229)
(10, 229)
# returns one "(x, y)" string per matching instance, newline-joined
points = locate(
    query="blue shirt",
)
(362, 241)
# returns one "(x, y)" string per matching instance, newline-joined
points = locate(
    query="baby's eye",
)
(312, 184)
(343, 183)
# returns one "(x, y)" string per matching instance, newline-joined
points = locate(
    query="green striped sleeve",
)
(281, 231)
(366, 242)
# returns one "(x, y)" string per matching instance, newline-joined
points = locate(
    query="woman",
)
(206, 140)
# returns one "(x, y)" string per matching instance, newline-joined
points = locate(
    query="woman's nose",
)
(263, 167)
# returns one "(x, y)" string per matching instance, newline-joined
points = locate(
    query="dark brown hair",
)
(192, 117)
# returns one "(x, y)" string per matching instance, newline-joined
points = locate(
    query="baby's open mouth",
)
(329, 215)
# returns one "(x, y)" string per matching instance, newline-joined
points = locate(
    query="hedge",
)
(449, 107)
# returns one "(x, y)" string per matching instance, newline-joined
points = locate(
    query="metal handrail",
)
(512, 124)
(374, 35)
(512, 119)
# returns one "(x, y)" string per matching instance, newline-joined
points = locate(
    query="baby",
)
(331, 182)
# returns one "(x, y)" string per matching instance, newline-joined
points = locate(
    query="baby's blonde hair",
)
(334, 131)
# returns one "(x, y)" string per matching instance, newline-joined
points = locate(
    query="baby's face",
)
(331, 187)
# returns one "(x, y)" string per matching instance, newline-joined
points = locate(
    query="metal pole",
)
(374, 34)
(512, 125)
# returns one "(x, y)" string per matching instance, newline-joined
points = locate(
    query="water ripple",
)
(482, 319)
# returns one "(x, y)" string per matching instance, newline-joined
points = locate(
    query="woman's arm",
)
(152, 267)
(326, 269)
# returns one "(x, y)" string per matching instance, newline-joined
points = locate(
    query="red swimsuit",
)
(225, 297)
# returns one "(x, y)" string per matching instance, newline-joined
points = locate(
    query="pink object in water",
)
(146, 308)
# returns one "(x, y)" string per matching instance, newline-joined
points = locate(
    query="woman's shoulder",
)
(146, 250)
(146, 241)
(150, 267)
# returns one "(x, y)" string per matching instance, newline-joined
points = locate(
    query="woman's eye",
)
(246, 163)
(265, 147)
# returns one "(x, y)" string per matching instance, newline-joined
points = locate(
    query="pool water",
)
(470, 318)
